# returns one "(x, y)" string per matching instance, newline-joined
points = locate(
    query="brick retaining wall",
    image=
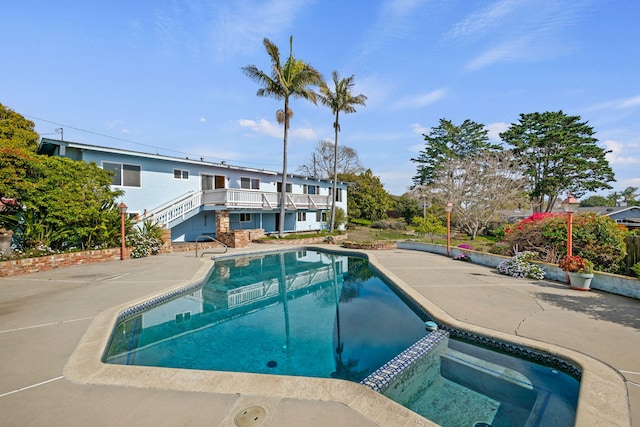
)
(16, 267)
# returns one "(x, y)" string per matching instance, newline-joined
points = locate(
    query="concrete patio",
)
(50, 319)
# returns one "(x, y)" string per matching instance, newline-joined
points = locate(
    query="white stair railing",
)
(177, 209)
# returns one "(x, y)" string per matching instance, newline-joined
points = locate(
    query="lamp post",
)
(570, 206)
(122, 208)
(448, 208)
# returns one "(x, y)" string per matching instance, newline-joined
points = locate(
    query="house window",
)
(124, 174)
(245, 217)
(338, 194)
(289, 187)
(180, 174)
(250, 183)
(302, 216)
(211, 182)
(311, 189)
(321, 216)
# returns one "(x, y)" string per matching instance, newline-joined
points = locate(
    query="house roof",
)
(48, 145)
(608, 210)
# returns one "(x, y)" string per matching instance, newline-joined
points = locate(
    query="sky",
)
(166, 76)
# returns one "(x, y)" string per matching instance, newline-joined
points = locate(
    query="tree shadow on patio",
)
(600, 306)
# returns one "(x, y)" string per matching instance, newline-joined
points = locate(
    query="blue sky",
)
(165, 76)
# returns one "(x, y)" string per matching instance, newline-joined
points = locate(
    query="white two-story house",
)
(188, 196)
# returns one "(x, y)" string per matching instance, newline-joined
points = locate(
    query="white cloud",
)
(631, 102)
(479, 23)
(495, 129)
(616, 104)
(202, 120)
(241, 28)
(417, 128)
(265, 127)
(519, 30)
(392, 23)
(618, 155)
(125, 130)
(420, 100)
(508, 51)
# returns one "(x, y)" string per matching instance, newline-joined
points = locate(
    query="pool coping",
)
(603, 396)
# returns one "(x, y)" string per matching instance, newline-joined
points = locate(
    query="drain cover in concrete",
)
(250, 416)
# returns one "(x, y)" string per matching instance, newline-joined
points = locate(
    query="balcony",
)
(239, 198)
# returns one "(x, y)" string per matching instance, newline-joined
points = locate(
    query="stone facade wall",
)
(234, 239)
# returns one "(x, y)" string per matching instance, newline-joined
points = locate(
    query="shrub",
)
(596, 238)
(465, 246)
(145, 241)
(429, 225)
(522, 266)
(636, 269)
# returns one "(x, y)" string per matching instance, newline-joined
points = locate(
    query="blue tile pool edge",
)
(383, 376)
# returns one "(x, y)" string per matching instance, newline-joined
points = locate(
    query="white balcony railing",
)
(259, 199)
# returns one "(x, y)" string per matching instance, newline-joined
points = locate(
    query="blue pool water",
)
(300, 313)
(321, 314)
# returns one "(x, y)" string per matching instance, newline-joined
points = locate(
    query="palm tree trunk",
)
(335, 176)
(283, 188)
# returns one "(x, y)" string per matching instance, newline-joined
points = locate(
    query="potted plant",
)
(580, 271)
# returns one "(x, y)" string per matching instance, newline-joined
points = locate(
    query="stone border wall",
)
(307, 241)
(379, 245)
(17, 267)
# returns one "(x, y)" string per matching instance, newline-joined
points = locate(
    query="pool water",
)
(459, 384)
(327, 315)
(301, 313)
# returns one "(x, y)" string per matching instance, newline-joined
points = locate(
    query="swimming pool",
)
(303, 313)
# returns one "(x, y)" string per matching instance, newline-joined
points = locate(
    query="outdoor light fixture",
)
(448, 208)
(570, 206)
(122, 208)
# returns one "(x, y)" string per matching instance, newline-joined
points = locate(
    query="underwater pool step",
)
(498, 371)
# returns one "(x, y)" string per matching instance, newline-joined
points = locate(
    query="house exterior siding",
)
(196, 189)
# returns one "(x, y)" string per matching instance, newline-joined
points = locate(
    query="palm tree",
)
(340, 100)
(291, 79)
(629, 194)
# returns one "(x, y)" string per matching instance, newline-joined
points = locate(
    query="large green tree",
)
(560, 154)
(448, 141)
(62, 203)
(283, 82)
(367, 197)
(339, 100)
(16, 131)
(596, 201)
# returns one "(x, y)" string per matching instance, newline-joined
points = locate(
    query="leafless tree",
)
(321, 163)
(479, 187)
